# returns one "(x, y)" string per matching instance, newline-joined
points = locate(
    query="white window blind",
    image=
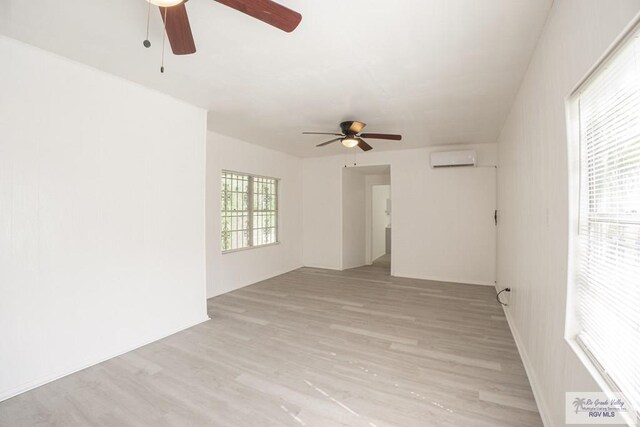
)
(608, 276)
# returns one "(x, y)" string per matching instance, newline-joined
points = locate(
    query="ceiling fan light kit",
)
(165, 3)
(351, 136)
(349, 142)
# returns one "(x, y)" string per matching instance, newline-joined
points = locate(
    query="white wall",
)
(532, 195)
(442, 219)
(322, 212)
(226, 272)
(379, 219)
(101, 216)
(354, 212)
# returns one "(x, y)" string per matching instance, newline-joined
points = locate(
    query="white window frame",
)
(572, 325)
(250, 211)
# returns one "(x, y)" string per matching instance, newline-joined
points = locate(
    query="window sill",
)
(595, 373)
(232, 251)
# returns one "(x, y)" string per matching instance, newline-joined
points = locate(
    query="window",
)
(604, 303)
(249, 211)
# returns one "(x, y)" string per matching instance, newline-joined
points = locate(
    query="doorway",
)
(380, 240)
(366, 217)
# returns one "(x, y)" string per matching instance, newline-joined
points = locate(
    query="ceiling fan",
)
(351, 136)
(176, 20)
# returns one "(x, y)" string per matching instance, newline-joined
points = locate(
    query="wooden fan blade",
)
(268, 12)
(328, 142)
(364, 145)
(381, 136)
(321, 133)
(178, 29)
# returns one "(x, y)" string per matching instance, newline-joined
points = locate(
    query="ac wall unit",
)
(449, 159)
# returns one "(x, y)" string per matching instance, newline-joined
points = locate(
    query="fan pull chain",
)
(146, 43)
(164, 36)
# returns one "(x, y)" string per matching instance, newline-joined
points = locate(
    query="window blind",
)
(608, 276)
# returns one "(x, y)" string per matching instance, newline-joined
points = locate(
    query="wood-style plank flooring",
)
(310, 348)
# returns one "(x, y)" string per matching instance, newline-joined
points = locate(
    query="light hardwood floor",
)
(311, 347)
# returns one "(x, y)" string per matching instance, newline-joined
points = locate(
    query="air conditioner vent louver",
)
(449, 159)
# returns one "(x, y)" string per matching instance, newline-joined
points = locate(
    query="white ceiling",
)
(436, 71)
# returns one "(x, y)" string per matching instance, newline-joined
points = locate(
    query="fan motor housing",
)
(346, 127)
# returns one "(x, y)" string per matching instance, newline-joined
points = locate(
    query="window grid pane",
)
(234, 211)
(249, 211)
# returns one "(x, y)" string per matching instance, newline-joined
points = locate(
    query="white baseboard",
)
(323, 267)
(244, 285)
(352, 266)
(447, 279)
(528, 367)
(420, 277)
(7, 394)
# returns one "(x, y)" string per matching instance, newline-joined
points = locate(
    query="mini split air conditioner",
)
(448, 159)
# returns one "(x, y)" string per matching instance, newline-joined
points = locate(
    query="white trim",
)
(447, 279)
(49, 378)
(596, 373)
(266, 277)
(369, 220)
(251, 211)
(322, 267)
(341, 207)
(353, 266)
(574, 176)
(543, 409)
(230, 251)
